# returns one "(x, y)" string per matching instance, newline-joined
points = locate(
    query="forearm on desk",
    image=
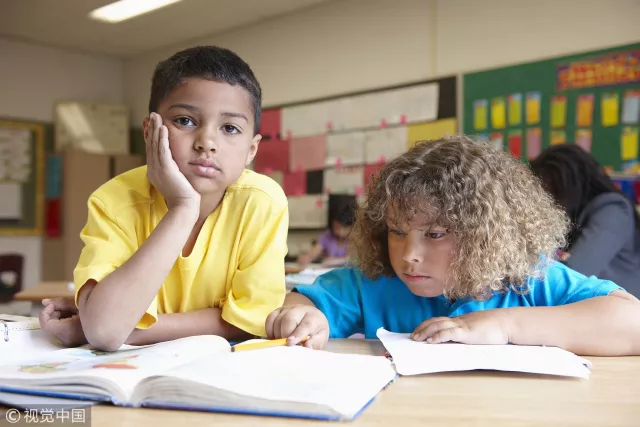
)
(111, 309)
(172, 326)
(601, 326)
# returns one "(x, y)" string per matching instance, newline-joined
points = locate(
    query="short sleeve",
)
(325, 240)
(106, 247)
(258, 286)
(337, 294)
(561, 285)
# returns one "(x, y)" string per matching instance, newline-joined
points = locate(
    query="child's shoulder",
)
(252, 186)
(129, 188)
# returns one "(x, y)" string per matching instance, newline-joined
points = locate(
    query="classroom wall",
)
(332, 49)
(32, 79)
(475, 35)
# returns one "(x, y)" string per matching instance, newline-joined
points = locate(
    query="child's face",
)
(210, 132)
(420, 255)
(341, 231)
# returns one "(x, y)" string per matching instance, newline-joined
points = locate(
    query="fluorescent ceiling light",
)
(127, 9)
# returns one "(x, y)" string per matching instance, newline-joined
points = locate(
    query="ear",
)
(253, 149)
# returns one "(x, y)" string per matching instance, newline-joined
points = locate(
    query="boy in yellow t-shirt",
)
(192, 243)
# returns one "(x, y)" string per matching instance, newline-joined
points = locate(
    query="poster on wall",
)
(558, 137)
(584, 110)
(480, 114)
(629, 143)
(631, 107)
(619, 68)
(609, 109)
(497, 139)
(534, 142)
(515, 109)
(558, 111)
(583, 139)
(498, 113)
(532, 107)
(515, 143)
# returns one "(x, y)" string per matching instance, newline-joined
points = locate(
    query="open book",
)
(21, 337)
(414, 358)
(201, 373)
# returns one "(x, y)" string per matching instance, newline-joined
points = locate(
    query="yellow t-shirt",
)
(237, 263)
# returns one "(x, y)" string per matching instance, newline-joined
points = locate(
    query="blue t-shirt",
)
(354, 304)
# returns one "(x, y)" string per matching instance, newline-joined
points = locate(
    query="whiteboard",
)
(92, 127)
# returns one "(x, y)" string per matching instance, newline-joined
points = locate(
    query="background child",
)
(332, 244)
(454, 243)
(604, 238)
(193, 243)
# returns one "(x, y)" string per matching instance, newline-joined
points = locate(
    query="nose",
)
(206, 140)
(412, 251)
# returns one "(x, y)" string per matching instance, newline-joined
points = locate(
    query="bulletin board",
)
(590, 99)
(333, 146)
(22, 170)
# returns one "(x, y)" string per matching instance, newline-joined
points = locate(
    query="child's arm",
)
(312, 254)
(172, 326)
(609, 228)
(600, 326)
(111, 309)
(296, 319)
(60, 319)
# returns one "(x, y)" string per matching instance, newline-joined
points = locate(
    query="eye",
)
(397, 232)
(184, 121)
(435, 235)
(231, 129)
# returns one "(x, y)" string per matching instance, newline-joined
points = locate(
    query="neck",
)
(208, 204)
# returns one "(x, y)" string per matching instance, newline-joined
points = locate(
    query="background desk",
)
(610, 398)
(45, 290)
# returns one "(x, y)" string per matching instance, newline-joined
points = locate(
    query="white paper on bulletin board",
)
(307, 119)
(383, 145)
(15, 154)
(10, 200)
(92, 127)
(349, 180)
(308, 211)
(344, 149)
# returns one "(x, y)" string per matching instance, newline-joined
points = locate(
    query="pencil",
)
(262, 344)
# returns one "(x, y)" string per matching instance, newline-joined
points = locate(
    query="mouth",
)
(414, 277)
(205, 168)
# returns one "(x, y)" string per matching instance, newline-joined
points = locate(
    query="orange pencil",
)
(262, 344)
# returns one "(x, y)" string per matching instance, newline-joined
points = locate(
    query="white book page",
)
(125, 367)
(414, 358)
(344, 382)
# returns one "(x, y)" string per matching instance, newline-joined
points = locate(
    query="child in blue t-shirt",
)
(455, 242)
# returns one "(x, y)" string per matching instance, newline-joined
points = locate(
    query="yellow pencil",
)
(262, 344)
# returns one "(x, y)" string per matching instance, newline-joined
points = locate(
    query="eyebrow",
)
(235, 115)
(185, 106)
(224, 114)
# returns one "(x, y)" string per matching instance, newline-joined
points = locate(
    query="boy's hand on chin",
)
(163, 171)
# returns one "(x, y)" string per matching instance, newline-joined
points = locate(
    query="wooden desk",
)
(611, 397)
(45, 290)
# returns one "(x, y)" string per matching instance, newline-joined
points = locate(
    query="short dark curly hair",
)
(205, 62)
(505, 225)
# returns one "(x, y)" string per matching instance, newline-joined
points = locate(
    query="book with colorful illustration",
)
(201, 373)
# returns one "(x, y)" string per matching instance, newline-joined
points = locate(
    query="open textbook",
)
(414, 358)
(201, 373)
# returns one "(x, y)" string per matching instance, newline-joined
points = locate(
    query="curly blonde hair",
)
(504, 224)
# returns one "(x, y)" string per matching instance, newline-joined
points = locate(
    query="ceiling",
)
(65, 23)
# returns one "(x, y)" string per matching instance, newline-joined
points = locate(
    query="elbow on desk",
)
(100, 335)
